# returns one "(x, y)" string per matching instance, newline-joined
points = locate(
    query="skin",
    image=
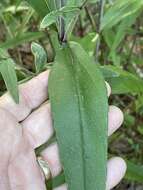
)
(25, 126)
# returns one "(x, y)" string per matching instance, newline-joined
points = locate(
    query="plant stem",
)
(61, 24)
(51, 44)
(91, 18)
(132, 48)
(101, 11)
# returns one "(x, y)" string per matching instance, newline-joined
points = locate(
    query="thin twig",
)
(91, 18)
(61, 24)
(133, 45)
(80, 27)
(51, 44)
(101, 12)
(132, 48)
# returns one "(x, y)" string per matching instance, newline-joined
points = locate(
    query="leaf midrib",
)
(81, 120)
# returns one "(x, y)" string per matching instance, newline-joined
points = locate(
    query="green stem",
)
(51, 44)
(91, 18)
(62, 24)
(101, 12)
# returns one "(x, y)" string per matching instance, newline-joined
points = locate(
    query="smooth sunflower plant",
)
(76, 85)
(74, 80)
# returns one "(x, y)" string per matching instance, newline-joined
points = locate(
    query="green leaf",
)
(23, 38)
(40, 6)
(76, 3)
(53, 16)
(122, 30)
(120, 10)
(114, 37)
(9, 75)
(14, 9)
(122, 81)
(40, 56)
(78, 95)
(93, 1)
(88, 42)
(70, 21)
(50, 19)
(134, 172)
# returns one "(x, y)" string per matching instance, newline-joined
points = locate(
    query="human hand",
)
(25, 126)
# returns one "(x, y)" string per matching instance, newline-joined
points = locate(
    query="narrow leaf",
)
(9, 75)
(40, 56)
(122, 81)
(120, 10)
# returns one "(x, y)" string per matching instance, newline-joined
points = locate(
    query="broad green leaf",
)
(78, 95)
(40, 56)
(8, 73)
(40, 6)
(122, 81)
(120, 10)
(134, 173)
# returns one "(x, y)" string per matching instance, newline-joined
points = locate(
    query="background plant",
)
(111, 31)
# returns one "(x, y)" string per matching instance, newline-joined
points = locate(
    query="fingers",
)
(38, 126)
(18, 166)
(23, 169)
(51, 156)
(115, 119)
(24, 173)
(32, 94)
(9, 133)
(116, 169)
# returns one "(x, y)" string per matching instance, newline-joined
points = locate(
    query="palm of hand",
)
(28, 125)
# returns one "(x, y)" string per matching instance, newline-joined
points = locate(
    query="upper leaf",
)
(53, 16)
